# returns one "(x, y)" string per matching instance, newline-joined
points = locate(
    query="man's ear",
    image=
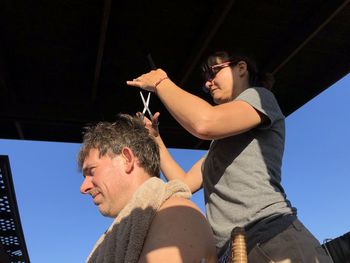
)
(128, 159)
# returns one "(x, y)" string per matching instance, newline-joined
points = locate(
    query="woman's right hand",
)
(149, 81)
(151, 126)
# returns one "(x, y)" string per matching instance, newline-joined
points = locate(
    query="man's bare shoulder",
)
(179, 233)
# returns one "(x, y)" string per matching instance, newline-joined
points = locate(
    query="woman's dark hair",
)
(256, 78)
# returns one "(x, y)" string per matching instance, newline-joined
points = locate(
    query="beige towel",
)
(124, 239)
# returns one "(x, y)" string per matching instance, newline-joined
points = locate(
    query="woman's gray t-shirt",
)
(242, 173)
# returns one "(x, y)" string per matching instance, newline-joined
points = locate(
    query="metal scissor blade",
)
(146, 104)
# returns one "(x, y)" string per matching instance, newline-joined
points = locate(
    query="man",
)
(154, 221)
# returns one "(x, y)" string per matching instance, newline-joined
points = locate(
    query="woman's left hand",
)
(151, 125)
(149, 80)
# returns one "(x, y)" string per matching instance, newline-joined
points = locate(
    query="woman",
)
(241, 172)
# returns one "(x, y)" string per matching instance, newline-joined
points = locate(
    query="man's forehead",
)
(93, 152)
(92, 156)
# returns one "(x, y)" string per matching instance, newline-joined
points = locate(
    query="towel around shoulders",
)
(124, 239)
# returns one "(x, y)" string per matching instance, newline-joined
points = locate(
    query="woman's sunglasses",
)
(209, 72)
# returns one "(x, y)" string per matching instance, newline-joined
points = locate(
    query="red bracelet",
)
(158, 82)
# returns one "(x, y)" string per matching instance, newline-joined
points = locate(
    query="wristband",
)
(158, 82)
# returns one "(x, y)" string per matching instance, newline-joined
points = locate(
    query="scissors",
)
(146, 102)
(146, 106)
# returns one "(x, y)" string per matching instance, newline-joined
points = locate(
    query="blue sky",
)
(61, 225)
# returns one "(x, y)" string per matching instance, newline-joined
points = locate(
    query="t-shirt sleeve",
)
(263, 101)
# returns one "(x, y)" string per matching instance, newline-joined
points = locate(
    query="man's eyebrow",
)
(87, 170)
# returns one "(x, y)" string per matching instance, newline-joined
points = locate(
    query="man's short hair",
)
(127, 131)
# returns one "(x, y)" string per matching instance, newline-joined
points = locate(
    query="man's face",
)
(107, 183)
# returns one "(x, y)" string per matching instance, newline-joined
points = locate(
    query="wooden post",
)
(238, 246)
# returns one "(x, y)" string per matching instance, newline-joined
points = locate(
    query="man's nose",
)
(86, 185)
